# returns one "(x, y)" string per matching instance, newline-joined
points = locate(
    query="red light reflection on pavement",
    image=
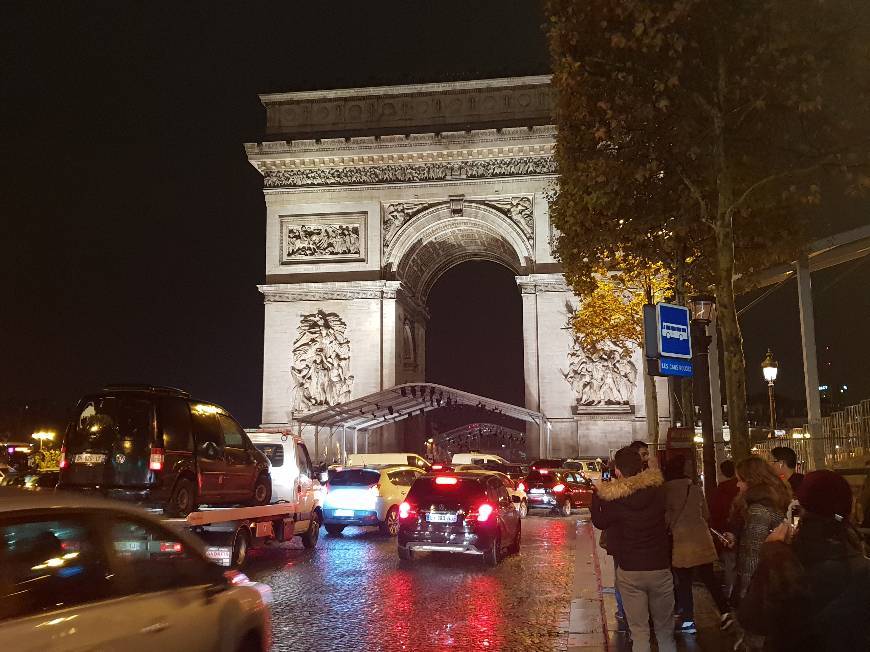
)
(483, 621)
(397, 591)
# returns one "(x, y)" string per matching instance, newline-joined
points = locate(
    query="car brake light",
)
(544, 472)
(484, 512)
(155, 463)
(559, 488)
(405, 510)
(62, 463)
(521, 487)
(437, 467)
(446, 479)
(170, 546)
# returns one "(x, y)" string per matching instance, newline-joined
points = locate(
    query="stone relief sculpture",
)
(398, 215)
(519, 211)
(398, 173)
(303, 241)
(601, 376)
(321, 362)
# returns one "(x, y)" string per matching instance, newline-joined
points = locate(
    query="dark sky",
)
(132, 226)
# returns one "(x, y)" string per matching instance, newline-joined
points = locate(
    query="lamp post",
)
(703, 308)
(770, 368)
(42, 436)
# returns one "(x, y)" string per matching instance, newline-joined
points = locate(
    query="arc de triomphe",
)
(372, 194)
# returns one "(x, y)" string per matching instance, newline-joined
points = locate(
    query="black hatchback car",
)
(558, 490)
(158, 446)
(468, 513)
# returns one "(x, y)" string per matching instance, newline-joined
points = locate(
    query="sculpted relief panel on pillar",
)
(603, 376)
(313, 238)
(321, 362)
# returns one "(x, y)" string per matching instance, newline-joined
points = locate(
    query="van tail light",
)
(437, 467)
(446, 479)
(406, 511)
(484, 512)
(155, 462)
(559, 488)
(521, 487)
(63, 461)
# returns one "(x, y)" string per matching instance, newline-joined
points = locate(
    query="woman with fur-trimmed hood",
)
(631, 508)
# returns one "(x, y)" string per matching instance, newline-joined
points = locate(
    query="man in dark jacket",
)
(631, 509)
(720, 510)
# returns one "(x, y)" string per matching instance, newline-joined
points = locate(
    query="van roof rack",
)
(143, 387)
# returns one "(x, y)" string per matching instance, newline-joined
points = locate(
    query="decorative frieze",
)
(398, 214)
(538, 283)
(410, 173)
(322, 238)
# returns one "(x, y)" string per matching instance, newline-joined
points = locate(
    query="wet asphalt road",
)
(352, 593)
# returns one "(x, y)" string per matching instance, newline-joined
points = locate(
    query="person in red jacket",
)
(720, 509)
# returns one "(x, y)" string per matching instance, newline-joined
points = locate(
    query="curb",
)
(587, 622)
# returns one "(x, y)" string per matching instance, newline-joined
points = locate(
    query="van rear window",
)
(109, 422)
(428, 490)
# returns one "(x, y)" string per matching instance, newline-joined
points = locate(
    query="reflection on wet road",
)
(352, 593)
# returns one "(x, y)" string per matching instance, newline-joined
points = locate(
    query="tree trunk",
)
(732, 340)
(683, 386)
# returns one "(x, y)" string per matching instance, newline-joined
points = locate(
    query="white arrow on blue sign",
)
(674, 337)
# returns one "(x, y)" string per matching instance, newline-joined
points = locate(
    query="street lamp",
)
(703, 309)
(770, 368)
(43, 435)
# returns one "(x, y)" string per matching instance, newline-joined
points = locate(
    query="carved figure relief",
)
(398, 173)
(321, 362)
(519, 211)
(315, 237)
(398, 215)
(602, 376)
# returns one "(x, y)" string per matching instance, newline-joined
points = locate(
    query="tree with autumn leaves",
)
(694, 133)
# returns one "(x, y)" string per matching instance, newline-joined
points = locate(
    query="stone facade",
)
(372, 194)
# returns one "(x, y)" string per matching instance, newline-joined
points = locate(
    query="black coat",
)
(632, 512)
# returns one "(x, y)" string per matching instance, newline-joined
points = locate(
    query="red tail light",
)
(406, 511)
(155, 463)
(544, 472)
(437, 467)
(170, 546)
(446, 479)
(62, 457)
(521, 487)
(559, 488)
(484, 512)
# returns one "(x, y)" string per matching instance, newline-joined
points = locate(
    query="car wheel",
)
(183, 499)
(565, 509)
(334, 530)
(524, 509)
(309, 539)
(515, 546)
(405, 554)
(241, 543)
(493, 555)
(262, 490)
(390, 526)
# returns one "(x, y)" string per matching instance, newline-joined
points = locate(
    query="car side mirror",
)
(515, 499)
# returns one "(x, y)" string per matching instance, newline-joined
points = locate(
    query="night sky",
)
(133, 227)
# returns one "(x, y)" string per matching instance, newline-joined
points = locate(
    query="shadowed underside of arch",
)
(441, 241)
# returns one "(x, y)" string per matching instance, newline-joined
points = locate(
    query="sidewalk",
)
(592, 620)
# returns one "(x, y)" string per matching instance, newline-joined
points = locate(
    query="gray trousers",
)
(648, 594)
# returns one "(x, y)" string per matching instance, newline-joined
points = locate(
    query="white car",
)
(477, 458)
(367, 496)
(382, 459)
(80, 573)
(513, 488)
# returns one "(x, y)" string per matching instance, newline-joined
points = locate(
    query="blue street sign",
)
(672, 367)
(672, 328)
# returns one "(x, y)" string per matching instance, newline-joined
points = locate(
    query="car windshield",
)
(107, 421)
(426, 491)
(354, 478)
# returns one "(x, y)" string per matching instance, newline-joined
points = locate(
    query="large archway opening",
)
(474, 342)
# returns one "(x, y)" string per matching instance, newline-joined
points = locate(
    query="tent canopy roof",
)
(402, 401)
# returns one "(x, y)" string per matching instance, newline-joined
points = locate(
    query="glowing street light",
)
(770, 369)
(43, 435)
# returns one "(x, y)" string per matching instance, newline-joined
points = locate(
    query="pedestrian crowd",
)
(793, 567)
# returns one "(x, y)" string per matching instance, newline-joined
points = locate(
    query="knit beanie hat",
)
(825, 493)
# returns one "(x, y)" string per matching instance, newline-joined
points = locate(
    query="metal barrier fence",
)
(845, 439)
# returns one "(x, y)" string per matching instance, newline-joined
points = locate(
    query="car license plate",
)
(130, 546)
(441, 518)
(537, 491)
(219, 554)
(344, 512)
(89, 458)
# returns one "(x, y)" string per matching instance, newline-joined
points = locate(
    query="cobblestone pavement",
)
(351, 593)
